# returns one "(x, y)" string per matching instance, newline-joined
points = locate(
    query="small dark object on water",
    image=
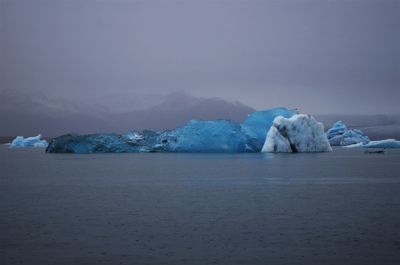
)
(375, 152)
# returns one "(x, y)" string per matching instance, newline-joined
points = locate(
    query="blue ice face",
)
(196, 136)
(207, 136)
(257, 124)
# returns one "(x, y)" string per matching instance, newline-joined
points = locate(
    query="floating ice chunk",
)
(388, 143)
(195, 136)
(300, 133)
(340, 135)
(34, 141)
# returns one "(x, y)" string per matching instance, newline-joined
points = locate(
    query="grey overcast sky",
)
(321, 56)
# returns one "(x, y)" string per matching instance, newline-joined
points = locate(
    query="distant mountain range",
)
(32, 114)
(35, 114)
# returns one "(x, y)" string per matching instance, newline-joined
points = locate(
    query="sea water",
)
(341, 207)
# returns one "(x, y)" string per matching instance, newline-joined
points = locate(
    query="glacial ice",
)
(299, 133)
(258, 123)
(340, 135)
(196, 136)
(34, 141)
(388, 143)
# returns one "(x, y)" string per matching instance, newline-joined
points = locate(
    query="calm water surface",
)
(333, 208)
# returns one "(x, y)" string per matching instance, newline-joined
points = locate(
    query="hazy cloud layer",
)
(320, 56)
(91, 66)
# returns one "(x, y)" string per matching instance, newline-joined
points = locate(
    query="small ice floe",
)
(388, 143)
(34, 141)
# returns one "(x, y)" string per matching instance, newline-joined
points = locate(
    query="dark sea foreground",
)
(153, 208)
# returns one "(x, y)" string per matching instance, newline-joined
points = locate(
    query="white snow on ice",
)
(300, 133)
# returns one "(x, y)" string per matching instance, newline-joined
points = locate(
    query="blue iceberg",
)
(34, 141)
(340, 135)
(217, 136)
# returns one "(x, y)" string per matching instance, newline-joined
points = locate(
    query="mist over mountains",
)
(36, 113)
(33, 113)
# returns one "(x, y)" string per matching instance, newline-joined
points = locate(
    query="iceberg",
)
(388, 143)
(340, 135)
(299, 133)
(34, 141)
(216, 136)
